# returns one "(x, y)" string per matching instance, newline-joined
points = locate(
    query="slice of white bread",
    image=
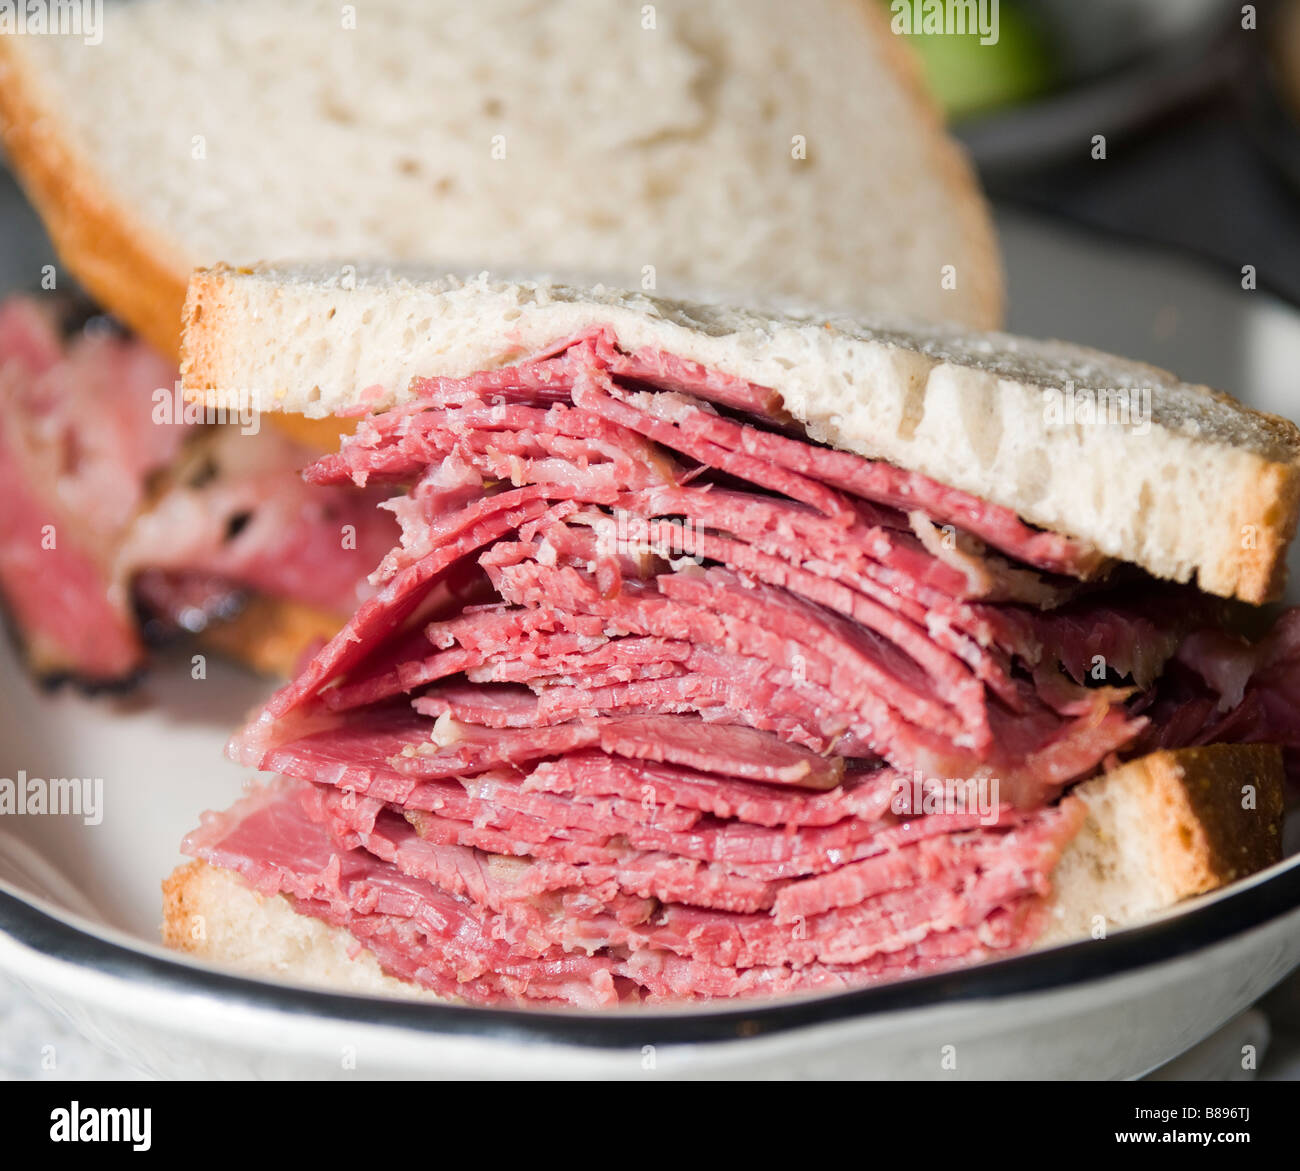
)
(1194, 485)
(753, 146)
(1164, 827)
(215, 915)
(1160, 829)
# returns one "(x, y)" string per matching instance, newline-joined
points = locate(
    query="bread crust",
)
(1260, 568)
(1186, 804)
(181, 902)
(118, 259)
(1195, 797)
(1166, 827)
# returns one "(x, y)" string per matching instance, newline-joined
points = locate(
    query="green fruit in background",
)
(968, 77)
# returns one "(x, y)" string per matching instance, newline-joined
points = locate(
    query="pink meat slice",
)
(863, 795)
(533, 899)
(730, 750)
(77, 444)
(720, 611)
(666, 976)
(555, 862)
(378, 758)
(591, 395)
(1030, 848)
(58, 596)
(573, 451)
(479, 635)
(555, 662)
(751, 453)
(405, 950)
(401, 601)
(553, 375)
(445, 814)
(108, 510)
(1033, 753)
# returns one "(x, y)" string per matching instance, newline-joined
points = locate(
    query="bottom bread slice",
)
(214, 914)
(1160, 829)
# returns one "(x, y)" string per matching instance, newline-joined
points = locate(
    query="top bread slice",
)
(749, 147)
(1193, 486)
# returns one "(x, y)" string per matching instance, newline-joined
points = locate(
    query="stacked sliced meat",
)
(643, 704)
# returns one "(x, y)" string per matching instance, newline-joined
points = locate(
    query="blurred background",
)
(1199, 102)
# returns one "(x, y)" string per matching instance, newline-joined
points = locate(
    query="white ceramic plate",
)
(79, 904)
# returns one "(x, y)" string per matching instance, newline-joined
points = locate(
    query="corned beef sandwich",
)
(127, 520)
(727, 654)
